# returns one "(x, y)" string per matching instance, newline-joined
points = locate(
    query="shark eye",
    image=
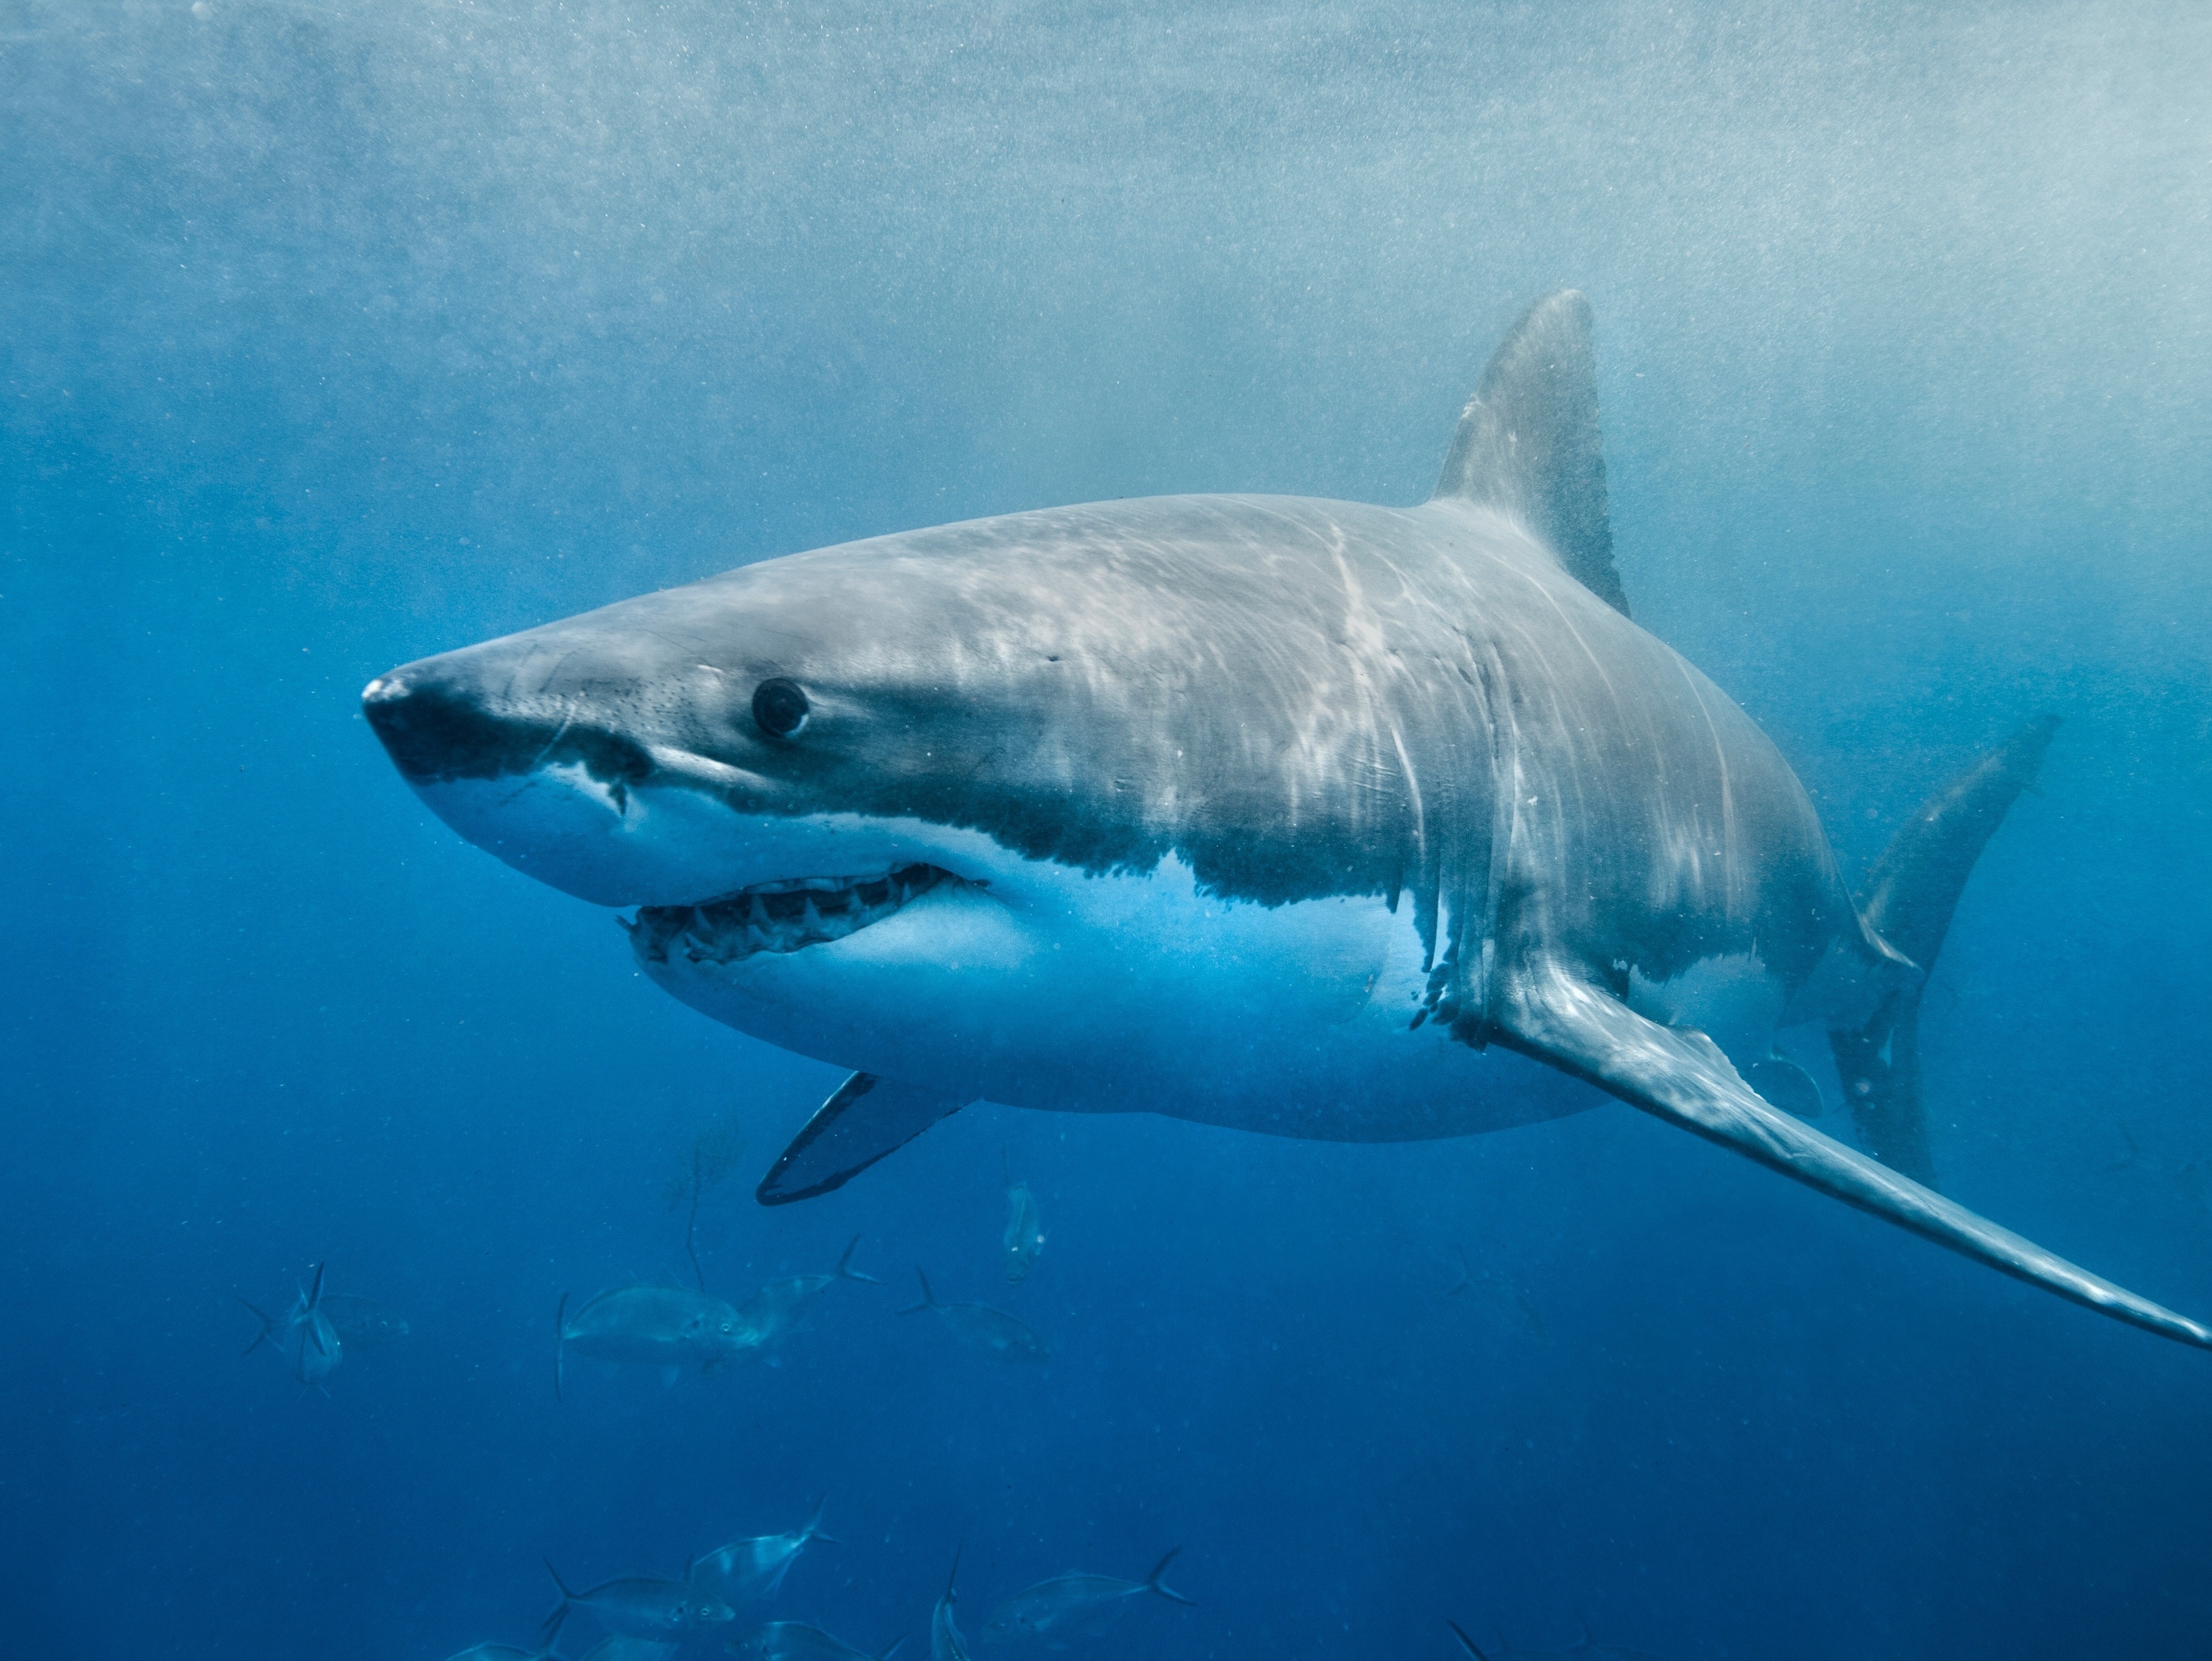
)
(779, 707)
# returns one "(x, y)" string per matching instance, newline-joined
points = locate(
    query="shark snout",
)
(438, 726)
(571, 764)
(432, 729)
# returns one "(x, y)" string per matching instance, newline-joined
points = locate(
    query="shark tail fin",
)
(1528, 443)
(890, 1649)
(1153, 1583)
(813, 1529)
(845, 1269)
(928, 1301)
(268, 1333)
(315, 1286)
(1907, 900)
(1465, 1642)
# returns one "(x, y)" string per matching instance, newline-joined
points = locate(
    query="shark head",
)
(896, 802)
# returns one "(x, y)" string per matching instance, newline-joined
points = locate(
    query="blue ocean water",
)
(338, 334)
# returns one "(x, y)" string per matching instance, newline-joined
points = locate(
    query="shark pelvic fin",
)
(1682, 1077)
(1528, 444)
(1907, 900)
(867, 1118)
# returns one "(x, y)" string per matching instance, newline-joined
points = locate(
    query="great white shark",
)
(1306, 817)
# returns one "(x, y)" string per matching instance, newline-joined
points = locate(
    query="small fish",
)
(984, 1327)
(639, 1606)
(793, 1640)
(776, 1310)
(945, 1643)
(363, 1322)
(1070, 1605)
(1501, 1294)
(1025, 1236)
(619, 1646)
(669, 1327)
(305, 1337)
(755, 1568)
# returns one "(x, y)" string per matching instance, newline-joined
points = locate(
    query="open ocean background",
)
(332, 335)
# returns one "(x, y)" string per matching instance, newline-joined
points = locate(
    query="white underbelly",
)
(1138, 993)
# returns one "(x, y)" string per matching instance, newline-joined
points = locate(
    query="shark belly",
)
(1137, 992)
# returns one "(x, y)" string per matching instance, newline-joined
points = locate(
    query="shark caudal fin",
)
(1908, 898)
(1528, 442)
(1465, 1642)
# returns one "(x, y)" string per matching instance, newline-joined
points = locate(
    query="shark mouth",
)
(785, 916)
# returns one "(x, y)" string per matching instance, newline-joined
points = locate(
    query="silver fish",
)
(305, 1337)
(1025, 1236)
(984, 1327)
(776, 1310)
(1501, 1294)
(362, 1323)
(793, 1640)
(945, 1643)
(639, 1606)
(669, 1327)
(1071, 1605)
(755, 1568)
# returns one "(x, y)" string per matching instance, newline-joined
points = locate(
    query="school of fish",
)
(674, 1330)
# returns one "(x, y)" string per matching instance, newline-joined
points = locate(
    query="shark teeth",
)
(785, 916)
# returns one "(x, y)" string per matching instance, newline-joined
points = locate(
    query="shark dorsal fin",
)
(1528, 442)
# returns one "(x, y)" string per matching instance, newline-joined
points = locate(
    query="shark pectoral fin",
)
(1555, 1016)
(867, 1119)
